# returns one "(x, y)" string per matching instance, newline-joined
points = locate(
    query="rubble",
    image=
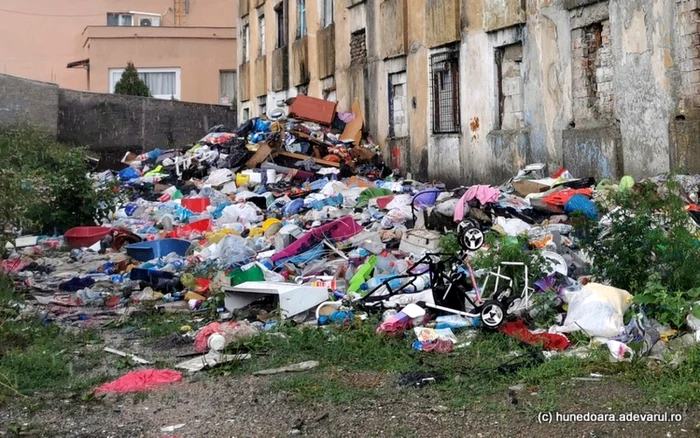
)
(297, 218)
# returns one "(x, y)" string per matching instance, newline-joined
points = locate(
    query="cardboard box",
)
(526, 187)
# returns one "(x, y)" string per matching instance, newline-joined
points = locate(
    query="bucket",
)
(238, 275)
(271, 176)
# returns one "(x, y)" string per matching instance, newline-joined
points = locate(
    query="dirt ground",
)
(220, 406)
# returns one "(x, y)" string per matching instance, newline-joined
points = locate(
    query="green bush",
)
(44, 186)
(648, 248)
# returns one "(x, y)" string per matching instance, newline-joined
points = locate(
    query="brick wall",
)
(23, 101)
(593, 72)
(358, 47)
(512, 87)
(689, 17)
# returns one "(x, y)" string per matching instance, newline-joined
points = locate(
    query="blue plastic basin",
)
(145, 251)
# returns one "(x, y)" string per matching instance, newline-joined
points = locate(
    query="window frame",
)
(281, 26)
(233, 98)
(245, 42)
(261, 34)
(119, 16)
(437, 86)
(327, 19)
(176, 70)
(302, 25)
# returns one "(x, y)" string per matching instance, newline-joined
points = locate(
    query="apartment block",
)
(183, 49)
(470, 91)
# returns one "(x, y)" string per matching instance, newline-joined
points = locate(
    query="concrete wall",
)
(603, 87)
(107, 123)
(23, 101)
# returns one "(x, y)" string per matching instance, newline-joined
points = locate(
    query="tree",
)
(130, 83)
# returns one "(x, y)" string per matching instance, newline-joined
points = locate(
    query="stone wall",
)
(23, 101)
(107, 123)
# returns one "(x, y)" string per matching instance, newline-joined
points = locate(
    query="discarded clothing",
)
(549, 341)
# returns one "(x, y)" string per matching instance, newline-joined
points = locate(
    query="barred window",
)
(444, 91)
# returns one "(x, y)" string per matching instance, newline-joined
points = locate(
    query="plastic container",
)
(238, 275)
(145, 251)
(386, 264)
(83, 237)
(141, 274)
(199, 227)
(196, 205)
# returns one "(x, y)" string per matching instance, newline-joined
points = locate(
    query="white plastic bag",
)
(597, 310)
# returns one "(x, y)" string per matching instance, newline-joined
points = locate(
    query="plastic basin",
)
(199, 227)
(238, 275)
(145, 251)
(196, 205)
(82, 237)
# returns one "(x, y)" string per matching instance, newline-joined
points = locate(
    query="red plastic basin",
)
(81, 237)
(199, 227)
(196, 205)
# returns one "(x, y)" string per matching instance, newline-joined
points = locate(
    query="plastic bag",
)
(243, 213)
(234, 250)
(141, 380)
(597, 310)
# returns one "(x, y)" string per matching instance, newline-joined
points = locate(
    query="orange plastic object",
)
(196, 205)
(561, 198)
(200, 226)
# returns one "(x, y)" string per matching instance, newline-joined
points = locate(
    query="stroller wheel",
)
(493, 313)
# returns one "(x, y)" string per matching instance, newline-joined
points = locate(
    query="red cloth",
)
(562, 197)
(142, 380)
(549, 341)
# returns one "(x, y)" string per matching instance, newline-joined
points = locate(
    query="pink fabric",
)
(341, 229)
(142, 380)
(484, 194)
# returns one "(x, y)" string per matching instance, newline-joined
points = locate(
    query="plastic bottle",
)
(401, 266)
(376, 281)
(386, 264)
(362, 275)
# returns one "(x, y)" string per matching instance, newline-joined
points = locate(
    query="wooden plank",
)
(306, 157)
(313, 109)
(353, 130)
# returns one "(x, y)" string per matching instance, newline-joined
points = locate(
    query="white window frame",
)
(120, 71)
(261, 32)
(327, 9)
(302, 26)
(246, 43)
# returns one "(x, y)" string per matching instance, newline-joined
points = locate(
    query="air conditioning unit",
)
(148, 22)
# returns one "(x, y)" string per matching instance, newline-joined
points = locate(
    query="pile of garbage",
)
(293, 217)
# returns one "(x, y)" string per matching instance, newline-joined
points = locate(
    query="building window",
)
(281, 32)
(246, 43)
(118, 19)
(509, 87)
(398, 106)
(262, 105)
(326, 13)
(444, 91)
(358, 47)
(246, 114)
(593, 74)
(163, 83)
(328, 88)
(301, 18)
(227, 87)
(261, 31)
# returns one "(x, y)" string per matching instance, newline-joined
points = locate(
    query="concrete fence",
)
(106, 123)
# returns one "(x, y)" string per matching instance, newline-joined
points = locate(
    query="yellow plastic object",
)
(188, 281)
(194, 296)
(256, 232)
(155, 171)
(217, 236)
(185, 328)
(242, 180)
(271, 226)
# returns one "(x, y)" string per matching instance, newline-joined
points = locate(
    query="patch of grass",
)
(39, 357)
(668, 386)
(320, 386)
(156, 325)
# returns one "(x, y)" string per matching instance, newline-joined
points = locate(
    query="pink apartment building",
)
(183, 49)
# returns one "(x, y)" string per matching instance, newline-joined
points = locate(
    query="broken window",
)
(261, 31)
(279, 17)
(262, 105)
(444, 91)
(593, 72)
(301, 18)
(358, 47)
(245, 42)
(398, 105)
(510, 87)
(328, 88)
(326, 13)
